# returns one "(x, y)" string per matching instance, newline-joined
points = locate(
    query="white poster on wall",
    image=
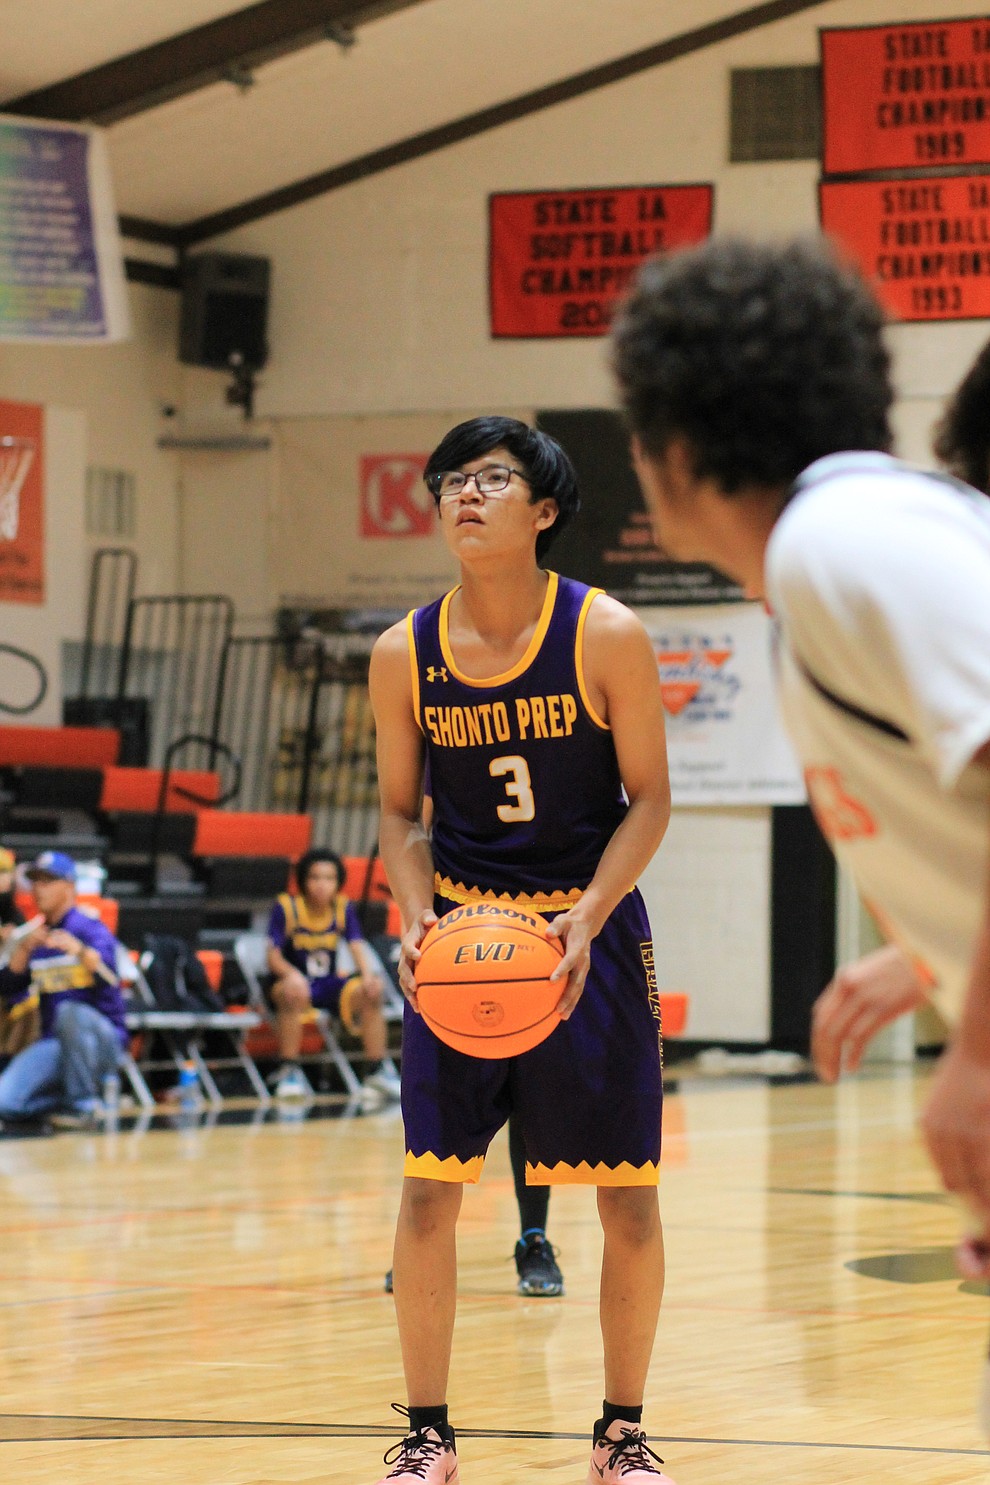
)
(725, 737)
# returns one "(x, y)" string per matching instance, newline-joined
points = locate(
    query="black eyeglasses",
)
(447, 484)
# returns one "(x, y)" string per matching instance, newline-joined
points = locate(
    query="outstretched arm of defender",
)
(405, 849)
(624, 689)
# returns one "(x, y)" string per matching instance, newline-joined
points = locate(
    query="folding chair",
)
(183, 1033)
(251, 953)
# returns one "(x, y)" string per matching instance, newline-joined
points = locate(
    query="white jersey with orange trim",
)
(523, 772)
(879, 577)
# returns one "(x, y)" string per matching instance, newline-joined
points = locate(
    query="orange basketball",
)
(483, 981)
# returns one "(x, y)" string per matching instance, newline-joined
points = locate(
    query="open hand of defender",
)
(409, 954)
(575, 935)
(861, 1000)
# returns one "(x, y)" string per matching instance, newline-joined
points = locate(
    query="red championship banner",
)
(22, 516)
(908, 95)
(561, 260)
(924, 245)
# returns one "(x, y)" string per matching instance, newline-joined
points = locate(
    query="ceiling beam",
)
(469, 127)
(219, 51)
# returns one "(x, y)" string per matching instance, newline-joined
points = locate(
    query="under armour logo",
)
(436, 672)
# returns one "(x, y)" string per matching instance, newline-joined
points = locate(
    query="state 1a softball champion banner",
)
(726, 742)
(906, 95)
(561, 260)
(923, 245)
(61, 269)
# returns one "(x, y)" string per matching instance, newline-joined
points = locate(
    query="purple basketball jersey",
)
(523, 773)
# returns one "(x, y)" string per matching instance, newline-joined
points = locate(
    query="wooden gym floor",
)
(206, 1305)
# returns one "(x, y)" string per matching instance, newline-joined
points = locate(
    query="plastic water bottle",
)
(188, 1088)
(111, 1098)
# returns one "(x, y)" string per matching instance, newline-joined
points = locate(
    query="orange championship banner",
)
(906, 95)
(560, 261)
(924, 245)
(22, 516)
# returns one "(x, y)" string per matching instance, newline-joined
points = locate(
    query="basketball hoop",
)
(16, 458)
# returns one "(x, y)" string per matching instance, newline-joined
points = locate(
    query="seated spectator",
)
(16, 1033)
(67, 967)
(304, 933)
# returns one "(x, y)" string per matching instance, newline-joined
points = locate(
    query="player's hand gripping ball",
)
(483, 980)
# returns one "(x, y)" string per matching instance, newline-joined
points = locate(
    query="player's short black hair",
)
(763, 357)
(549, 470)
(313, 858)
(962, 436)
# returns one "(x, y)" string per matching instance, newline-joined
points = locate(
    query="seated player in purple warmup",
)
(305, 932)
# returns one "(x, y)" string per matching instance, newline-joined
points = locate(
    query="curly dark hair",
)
(962, 436)
(763, 357)
(548, 469)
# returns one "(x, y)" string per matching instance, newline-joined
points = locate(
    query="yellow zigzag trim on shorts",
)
(584, 1174)
(541, 902)
(432, 1168)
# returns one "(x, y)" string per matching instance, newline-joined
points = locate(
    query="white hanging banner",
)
(61, 266)
(725, 737)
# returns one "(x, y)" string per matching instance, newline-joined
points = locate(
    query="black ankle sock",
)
(374, 1065)
(420, 1418)
(612, 1411)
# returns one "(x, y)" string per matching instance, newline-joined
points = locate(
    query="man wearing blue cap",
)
(66, 965)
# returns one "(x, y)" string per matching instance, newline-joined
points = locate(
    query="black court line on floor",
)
(27, 1428)
(926, 1198)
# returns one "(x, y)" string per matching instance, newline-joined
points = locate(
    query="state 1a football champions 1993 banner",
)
(726, 742)
(560, 261)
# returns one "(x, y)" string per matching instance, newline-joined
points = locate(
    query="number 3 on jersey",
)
(518, 787)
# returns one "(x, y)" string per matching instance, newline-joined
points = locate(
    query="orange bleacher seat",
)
(139, 788)
(673, 1012)
(59, 747)
(231, 833)
(357, 882)
(107, 909)
(212, 962)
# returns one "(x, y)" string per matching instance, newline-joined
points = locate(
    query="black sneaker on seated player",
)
(536, 1265)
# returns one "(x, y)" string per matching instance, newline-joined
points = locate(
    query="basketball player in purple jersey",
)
(536, 703)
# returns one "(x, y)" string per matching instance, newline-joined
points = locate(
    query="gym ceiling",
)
(217, 116)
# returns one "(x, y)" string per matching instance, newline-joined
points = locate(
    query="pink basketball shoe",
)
(622, 1457)
(423, 1457)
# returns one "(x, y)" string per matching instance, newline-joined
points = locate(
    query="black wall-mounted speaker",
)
(224, 316)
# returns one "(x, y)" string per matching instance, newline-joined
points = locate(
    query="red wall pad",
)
(139, 788)
(59, 747)
(225, 833)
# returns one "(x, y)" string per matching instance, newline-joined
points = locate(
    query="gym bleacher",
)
(158, 857)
